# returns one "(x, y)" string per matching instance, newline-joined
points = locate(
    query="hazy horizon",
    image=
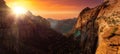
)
(56, 9)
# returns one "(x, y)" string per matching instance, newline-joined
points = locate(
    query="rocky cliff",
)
(99, 29)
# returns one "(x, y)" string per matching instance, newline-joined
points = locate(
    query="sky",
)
(56, 9)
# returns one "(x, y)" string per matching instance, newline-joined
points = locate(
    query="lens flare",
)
(19, 10)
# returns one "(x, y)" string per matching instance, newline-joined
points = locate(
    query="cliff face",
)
(100, 28)
(109, 29)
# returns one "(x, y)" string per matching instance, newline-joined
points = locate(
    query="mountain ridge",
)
(29, 34)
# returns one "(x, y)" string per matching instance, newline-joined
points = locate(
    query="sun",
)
(19, 10)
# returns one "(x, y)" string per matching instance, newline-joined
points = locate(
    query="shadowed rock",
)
(28, 34)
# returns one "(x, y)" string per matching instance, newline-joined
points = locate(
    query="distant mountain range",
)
(62, 26)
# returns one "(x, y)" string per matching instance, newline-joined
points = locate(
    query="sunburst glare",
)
(19, 10)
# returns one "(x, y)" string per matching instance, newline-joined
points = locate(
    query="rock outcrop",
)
(99, 29)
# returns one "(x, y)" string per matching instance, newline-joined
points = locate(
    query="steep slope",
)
(39, 19)
(99, 29)
(5, 21)
(27, 34)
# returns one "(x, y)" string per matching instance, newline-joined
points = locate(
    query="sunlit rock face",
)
(100, 29)
(109, 27)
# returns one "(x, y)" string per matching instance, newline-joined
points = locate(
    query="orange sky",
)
(57, 9)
